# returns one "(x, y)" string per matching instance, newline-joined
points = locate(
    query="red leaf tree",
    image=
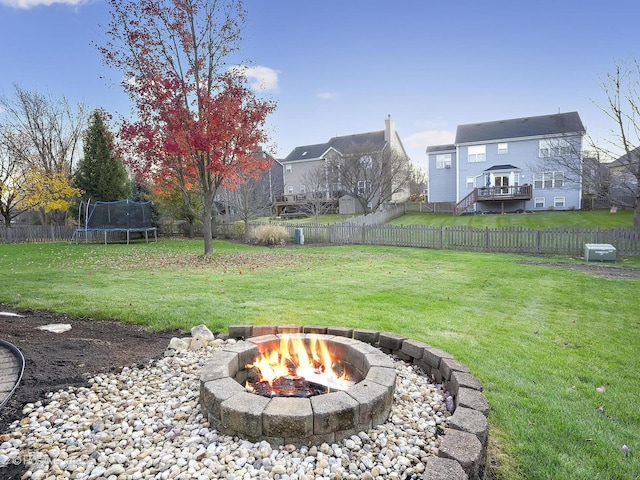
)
(197, 123)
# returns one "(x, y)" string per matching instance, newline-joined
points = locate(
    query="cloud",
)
(428, 138)
(26, 4)
(327, 95)
(260, 78)
(416, 144)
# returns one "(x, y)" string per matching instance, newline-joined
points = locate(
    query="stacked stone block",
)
(463, 448)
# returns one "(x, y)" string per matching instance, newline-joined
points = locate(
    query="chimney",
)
(389, 129)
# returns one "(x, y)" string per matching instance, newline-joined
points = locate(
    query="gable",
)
(540, 126)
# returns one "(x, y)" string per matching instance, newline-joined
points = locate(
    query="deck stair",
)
(466, 202)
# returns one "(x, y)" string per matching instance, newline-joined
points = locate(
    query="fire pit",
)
(328, 388)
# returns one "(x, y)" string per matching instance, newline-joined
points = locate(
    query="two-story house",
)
(304, 162)
(509, 165)
(256, 196)
(624, 179)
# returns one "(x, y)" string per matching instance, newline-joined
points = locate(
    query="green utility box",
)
(599, 252)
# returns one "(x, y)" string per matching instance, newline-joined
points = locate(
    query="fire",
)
(293, 360)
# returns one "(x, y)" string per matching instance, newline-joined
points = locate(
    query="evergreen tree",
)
(100, 173)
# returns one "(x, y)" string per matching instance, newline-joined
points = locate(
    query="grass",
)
(540, 338)
(578, 219)
(322, 219)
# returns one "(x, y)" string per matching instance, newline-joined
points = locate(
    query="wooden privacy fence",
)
(551, 241)
(36, 233)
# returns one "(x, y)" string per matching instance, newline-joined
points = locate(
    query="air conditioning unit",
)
(447, 166)
(599, 252)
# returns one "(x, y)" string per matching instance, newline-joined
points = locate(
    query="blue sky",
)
(339, 67)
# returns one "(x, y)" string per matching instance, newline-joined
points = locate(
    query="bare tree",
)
(319, 201)
(596, 178)
(563, 152)
(12, 181)
(417, 183)
(622, 106)
(249, 200)
(43, 134)
(370, 175)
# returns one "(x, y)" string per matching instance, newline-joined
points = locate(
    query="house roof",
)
(441, 148)
(341, 144)
(560, 123)
(623, 161)
(502, 167)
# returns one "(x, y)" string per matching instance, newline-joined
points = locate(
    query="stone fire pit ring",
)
(327, 418)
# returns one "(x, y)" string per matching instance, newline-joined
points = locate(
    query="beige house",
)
(308, 175)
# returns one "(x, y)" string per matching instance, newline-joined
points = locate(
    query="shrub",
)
(270, 235)
(237, 229)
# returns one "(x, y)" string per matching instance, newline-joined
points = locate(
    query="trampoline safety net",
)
(122, 214)
(110, 217)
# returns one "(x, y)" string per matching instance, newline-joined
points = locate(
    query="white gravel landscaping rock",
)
(146, 423)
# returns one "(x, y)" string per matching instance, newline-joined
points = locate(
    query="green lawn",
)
(540, 338)
(322, 219)
(578, 219)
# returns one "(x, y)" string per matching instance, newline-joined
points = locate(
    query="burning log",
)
(288, 387)
(296, 370)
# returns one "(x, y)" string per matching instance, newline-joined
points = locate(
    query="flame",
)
(293, 358)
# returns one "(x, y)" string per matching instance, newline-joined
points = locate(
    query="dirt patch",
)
(54, 361)
(597, 269)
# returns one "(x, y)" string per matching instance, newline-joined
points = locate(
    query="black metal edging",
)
(18, 354)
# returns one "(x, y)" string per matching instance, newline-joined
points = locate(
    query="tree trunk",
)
(636, 214)
(206, 228)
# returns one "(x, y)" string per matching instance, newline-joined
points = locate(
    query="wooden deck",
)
(497, 195)
(296, 205)
(11, 369)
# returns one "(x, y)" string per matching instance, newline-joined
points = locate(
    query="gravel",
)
(144, 423)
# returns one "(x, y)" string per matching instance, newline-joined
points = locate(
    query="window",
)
(539, 202)
(288, 168)
(554, 147)
(548, 180)
(289, 189)
(443, 160)
(366, 162)
(558, 202)
(503, 148)
(303, 189)
(471, 182)
(364, 187)
(477, 153)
